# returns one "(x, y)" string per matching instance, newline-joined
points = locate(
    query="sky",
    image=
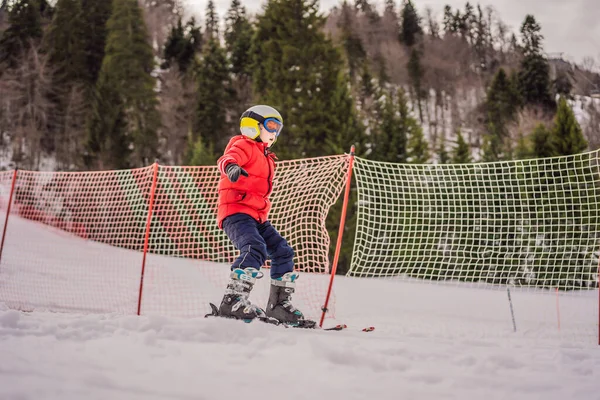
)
(569, 27)
(430, 342)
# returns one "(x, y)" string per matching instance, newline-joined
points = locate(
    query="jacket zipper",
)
(268, 177)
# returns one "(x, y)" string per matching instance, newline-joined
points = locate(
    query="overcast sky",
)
(571, 27)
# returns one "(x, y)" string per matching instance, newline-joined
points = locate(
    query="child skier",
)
(247, 168)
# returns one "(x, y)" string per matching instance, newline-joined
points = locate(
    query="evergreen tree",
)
(64, 43)
(181, 45)
(466, 23)
(367, 87)
(568, 136)
(212, 22)
(501, 105)
(481, 39)
(562, 84)
(416, 73)
(298, 71)
(238, 38)
(125, 117)
(448, 23)
(25, 28)
(443, 155)
(522, 150)
(495, 147)
(213, 96)
(534, 78)
(200, 153)
(95, 15)
(350, 41)
(391, 128)
(462, 151)
(542, 142)
(410, 28)
(65, 46)
(554, 205)
(502, 100)
(418, 148)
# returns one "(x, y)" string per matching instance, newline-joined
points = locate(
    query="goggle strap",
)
(253, 115)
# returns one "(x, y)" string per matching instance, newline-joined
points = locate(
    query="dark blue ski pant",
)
(256, 242)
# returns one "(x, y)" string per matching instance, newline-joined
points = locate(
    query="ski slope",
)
(431, 341)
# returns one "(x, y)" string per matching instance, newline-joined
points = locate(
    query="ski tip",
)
(337, 327)
(214, 311)
(369, 329)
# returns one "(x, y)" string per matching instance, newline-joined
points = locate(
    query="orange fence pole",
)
(340, 234)
(12, 189)
(147, 238)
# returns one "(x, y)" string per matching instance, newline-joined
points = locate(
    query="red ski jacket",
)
(249, 195)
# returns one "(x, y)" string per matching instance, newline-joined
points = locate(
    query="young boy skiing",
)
(247, 169)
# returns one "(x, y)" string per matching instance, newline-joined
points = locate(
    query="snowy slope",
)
(430, 342)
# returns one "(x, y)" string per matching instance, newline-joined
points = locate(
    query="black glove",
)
(233, 172)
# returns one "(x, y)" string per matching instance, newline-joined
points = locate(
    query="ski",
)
(304, 324)
(336, 328)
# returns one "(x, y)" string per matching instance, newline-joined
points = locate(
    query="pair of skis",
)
(341, 327)
(306, 323)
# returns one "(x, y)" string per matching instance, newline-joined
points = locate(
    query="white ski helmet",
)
(258, 115)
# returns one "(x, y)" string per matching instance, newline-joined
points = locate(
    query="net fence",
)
(74, 241)
(530, 225)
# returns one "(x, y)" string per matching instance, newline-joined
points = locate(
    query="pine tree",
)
(391, 128)
(410, 28)
(462, 151)
(502, 100)
(534, 78)
(238, 39)
(415, 72)
(466, 23)
(95, 15)
(65, 46)
(200, 153)
(448, 22)
(567, 133)
(542, 142)
(213, 96)
(443, 156)
(522, 150)
(181, 45)
(25, 28)
(298, 71)
(480, 39)
(125, 117)
(350, 41)
(211, 29)
(495, 147)
(571, 175)
(501, 105)
(418, 148)
(64, 43)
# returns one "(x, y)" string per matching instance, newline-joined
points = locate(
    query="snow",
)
(432, 341)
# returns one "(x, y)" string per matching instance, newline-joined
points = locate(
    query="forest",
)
(90, 84)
